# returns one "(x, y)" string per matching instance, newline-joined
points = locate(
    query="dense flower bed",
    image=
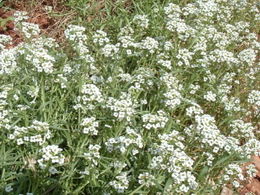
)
(166, 104)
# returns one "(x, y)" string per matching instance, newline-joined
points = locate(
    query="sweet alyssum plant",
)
(167, 104)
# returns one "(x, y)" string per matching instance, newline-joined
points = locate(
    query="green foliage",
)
(145, 97)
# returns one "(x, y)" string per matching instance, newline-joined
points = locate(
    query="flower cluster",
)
(170, 157)
(155, 121)
(38, 54)
(110, 50)
(233, 171)
(100, 37)
(146, 179)
(241, 129)
(210, 96)
(93, 154)
(141, 20)
(75, 33)
(90, 126)
(30, 29)
(20, 16)
(90, 95)
(52, 154)
(38, 132)
(4, 39)
(254, 97)
(132, 142)
(149, 44)
(123, 108)
(121, 183)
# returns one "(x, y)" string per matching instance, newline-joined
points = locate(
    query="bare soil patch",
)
(51, 22)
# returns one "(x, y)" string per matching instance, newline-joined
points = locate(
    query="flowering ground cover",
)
(139, 97)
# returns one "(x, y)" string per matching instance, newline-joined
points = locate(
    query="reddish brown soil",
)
(254, 184)
(8, 28)
(51, 26)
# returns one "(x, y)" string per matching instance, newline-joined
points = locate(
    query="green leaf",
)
(203, 173)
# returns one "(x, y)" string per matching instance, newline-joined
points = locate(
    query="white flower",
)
(155, 121)
(93, 154)
(194, 110)
(53, 154)
(150, 44)
(132, 140)
(30, 29)
(123, 108)
(185, 56)
(9, 189)
(141, 20)
(172, 98)
(210, 96)
(20, 16)
(120, 183)
(8, 63)
(90, 126)
(254, 97)
(168, 45)
(241, 129)
(53, 170)
(147, 179)
(110, 50)
(4, 39)
(248, 56)
(90, 94)
(100, 37)
(75, 33)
